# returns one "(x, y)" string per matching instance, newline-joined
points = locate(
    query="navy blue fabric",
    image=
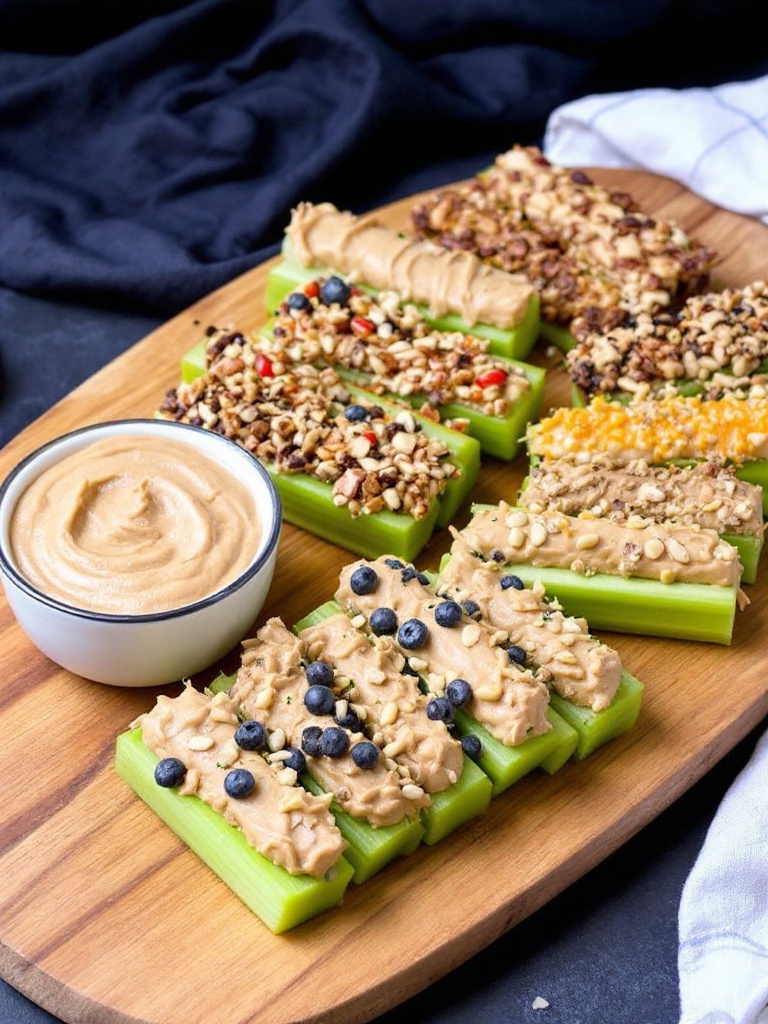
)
(151, 151)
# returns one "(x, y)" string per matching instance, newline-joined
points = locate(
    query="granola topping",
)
(294, 418)
(717, 342)
(593, 256)
(394, 350)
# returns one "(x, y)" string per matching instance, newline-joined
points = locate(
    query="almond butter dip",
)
(288, 825)
(395, 708)
(705, 493)
(270, 688)
(509, 701)
(134, 525)
(446, 281)
(572, 663)
(588, 545)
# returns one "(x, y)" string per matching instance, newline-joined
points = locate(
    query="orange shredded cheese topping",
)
(673, 427)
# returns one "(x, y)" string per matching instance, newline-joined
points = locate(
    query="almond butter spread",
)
(509, 701)
(395, 708)
(446, 281)
(572, 663)
(288, 825)
(270, 688)
(588, 545)
(134, 525)
(705, 493)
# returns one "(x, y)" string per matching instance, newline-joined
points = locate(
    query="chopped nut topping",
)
(715, 343)
(295, 420)
(410, 358)
(594, 257)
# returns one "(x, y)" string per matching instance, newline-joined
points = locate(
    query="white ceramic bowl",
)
(143, 649)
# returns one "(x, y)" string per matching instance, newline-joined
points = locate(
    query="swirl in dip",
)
(134, 525)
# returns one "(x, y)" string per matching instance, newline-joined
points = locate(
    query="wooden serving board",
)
(105, 916)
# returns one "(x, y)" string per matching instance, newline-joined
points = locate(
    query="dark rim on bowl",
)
(22, 583)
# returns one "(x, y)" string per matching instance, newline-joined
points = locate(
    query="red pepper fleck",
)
(492, 377)
(361, 326)
(312, 290)
(370, 436)
(264, 365)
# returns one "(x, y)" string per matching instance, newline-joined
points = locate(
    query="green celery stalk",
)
(594, 728)
(507, 765)
(453, 806)
(591, 729)
(683, 611)
(279, 899)
(369, 848)
(749, 546)
(557, 335)
(333, 522)
(514, 342)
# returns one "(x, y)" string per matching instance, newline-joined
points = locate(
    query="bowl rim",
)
(116, 426)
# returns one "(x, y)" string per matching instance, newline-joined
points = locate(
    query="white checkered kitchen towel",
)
(714, 141)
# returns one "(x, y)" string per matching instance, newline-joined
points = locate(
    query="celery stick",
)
(594, 728)
(557, 335)
(333, 522)
(499, 436)
(307, 503)
(453, 806)
(749, 546)
(370, 849)
(683, 611)
(506, 765)
(514, 342)
(458, 804)
(280, 899)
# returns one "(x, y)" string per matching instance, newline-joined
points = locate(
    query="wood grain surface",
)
(106, 917)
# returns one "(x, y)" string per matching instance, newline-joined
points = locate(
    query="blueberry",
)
(471, 746)
(310, 740)
(170, 772)
(412, 634)
(511, 581)
(335, 290)
(334, 742)
(365, 754)
(448, 613)
(363, 580)
(497, 555)
(440, 709)
(516, 654)
(298, 300)
(320, 673)
(356, 413)
(239, 783)
(422, 578)
(250, 735)
(393, 563)
(296, 760)
(383, 622)
(349, 720)
(319, 699)
(471, 608)
(458, 692)
(408, 573)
